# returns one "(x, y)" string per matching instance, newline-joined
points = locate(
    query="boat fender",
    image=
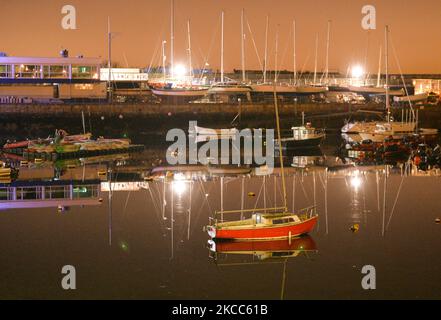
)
(437, 220)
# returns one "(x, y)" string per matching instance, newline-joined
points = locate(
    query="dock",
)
(53, 156)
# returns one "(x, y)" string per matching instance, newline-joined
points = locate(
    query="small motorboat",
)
(304, 137)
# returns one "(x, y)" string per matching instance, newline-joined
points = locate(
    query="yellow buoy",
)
(355, 227)
(251, 194)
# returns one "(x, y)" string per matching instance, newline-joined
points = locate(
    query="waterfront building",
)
(51, 194)
(36, 79)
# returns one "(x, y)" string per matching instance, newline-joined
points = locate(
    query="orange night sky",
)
(33, 28)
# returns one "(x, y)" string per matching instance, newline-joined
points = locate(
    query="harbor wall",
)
(73, 110)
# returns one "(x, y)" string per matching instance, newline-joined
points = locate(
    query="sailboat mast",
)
(277, 53)
(164, 58)
(315, 62)
(279, 142)
(328, 40)
(279, 138)
(379, 68)
(190, 66)
(387, 72)
(295, 58)
(109, 59)
(242, 37)
(222, 47)
(265, 62)
(172, 38)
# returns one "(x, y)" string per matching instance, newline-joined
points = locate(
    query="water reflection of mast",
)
(110, 206)
(242, 197)
(189, 212)
(326, 199)
(164, 203)
(282, 289)
(384, 198)
(172, 218)
(222, 197)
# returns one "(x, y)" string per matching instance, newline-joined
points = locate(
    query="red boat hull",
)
(21, 144)
(272, 232)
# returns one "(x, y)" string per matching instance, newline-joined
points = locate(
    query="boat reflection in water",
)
(264, 250)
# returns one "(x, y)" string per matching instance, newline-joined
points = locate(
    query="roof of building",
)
(48, 60)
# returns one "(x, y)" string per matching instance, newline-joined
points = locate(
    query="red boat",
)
(17, 145)
(264, 226)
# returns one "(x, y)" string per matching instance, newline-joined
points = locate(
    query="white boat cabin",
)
(305, 132)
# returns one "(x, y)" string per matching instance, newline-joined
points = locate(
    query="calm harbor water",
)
(131, 246)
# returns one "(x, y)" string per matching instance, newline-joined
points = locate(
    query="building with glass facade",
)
(62, 78)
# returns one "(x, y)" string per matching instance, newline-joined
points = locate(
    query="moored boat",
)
(266, 226)
(170, 94)
(304, 137)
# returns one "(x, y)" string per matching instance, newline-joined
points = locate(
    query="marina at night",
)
(215, 151)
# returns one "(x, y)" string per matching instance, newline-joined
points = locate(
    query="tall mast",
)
(279, 138)
(222, 47)
(387, 72)
(366, 76)
(379, 68)
(295, 58)
(265, 62)
(315, 62)
(242, 36)
(109, 58)
(279, 142)
(277, 52)
(190, 66)
(164, 58)
(172, 38)
(328, 40)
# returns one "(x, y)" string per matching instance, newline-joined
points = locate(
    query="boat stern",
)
(211, 230)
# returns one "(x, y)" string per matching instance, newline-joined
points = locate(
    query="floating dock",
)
(53, 156)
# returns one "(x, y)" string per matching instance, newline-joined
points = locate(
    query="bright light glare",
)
(356, 182)
(180, 71)
(357, 71)
(179, 187)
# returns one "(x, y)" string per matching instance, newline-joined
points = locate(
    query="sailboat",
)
(231, 89)
(378, 130)
(177, 90)
(285, 89)
(280, 224)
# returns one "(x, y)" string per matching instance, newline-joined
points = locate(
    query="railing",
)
(251, 210)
